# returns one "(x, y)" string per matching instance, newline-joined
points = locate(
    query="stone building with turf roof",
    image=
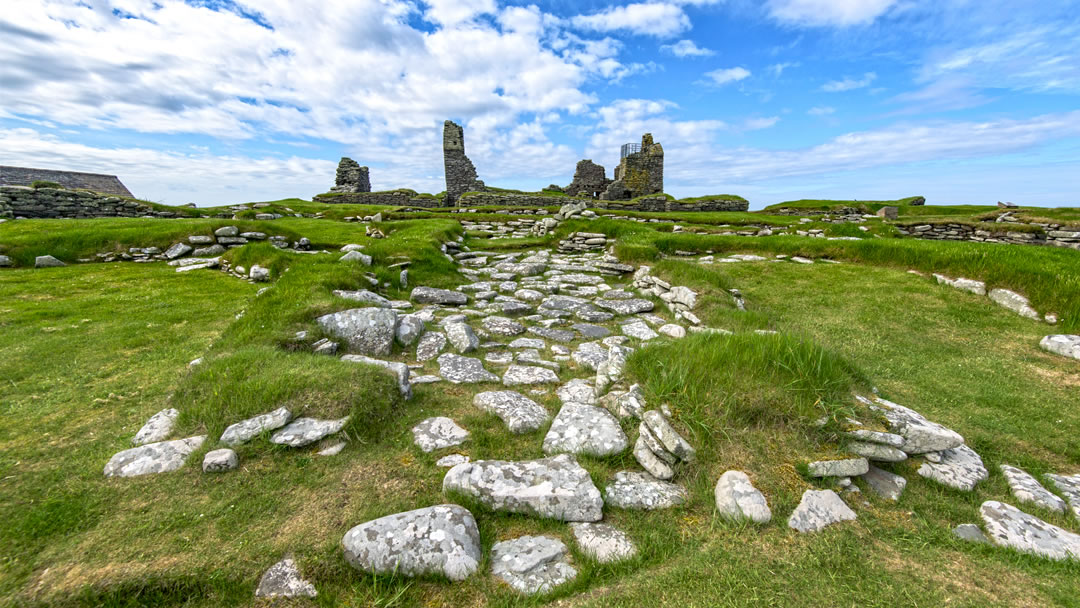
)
(73, 180)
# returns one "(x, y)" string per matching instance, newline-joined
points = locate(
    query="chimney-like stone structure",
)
(460, 172)
(351, 177)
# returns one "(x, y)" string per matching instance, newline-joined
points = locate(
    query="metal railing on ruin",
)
(628, 149)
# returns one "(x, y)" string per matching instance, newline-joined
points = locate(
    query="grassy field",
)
(92, 350)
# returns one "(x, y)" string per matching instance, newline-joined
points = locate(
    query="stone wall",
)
(351, 177)
(639, 173)
(23, 176)
(659, 203)
(460, 172)
(1048, 234)
(397, 198)
(590, 180)
(22, 202)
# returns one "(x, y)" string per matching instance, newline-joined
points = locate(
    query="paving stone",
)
(528, 343)
(160, 457)
(603, 542)
(591, 332)
(590, 355)
(246, 430)
(463, 370)
(1007, 526)
(502, 326)
(430, 345)
(430, 295)
(737, 499)
(819, 509)
(521, 414)
(438, 433)
(585, 429)
(556, 488)
(461, 337)
(577, 390)
(517, 375)
(634, 490)
(442, 540)
(625, 307)
(959, 468)
(558, 335)
(639, 330)
(1028, 489)
(532, 564)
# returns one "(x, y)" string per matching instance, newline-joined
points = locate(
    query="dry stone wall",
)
(400, 198)
(30, 203)
(659, 203)
(1049, 234)
(24, 176)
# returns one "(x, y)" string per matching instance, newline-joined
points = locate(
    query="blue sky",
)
(223, 101)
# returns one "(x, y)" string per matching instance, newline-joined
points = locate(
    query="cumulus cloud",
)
(849, 84)
(828, 12)
(686, 48)
(660, 19)
(726, 75)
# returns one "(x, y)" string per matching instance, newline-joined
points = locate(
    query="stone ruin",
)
(640, 172)
(351, 177)
(460, 172)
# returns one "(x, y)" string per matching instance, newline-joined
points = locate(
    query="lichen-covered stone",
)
(160, 457)
(603, 542)
(737, 499)
(532, 564)
(672, 440)
(1008, 526)
(157, 428)
(920, 435)
(521, 414)
(431, 295)
(517, 375)
(430, 345)
(245, 430)
(848, 467)
(283, 579)
(959, 468)
(1069, 486)
(438, 433)
(634, 490)
(369, 331)
(219, 461)
(1028, 489)
(305, 431)
(441, 540)
(819, 509)
(463, 370)
(585, 429)
(885, 484)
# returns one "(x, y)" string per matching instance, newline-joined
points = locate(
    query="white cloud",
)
(755, 124)
(778, 68)
(450, 12)
(828, 12)
(724, 76)
(686, 48)
(821, 111)
(849, 84)
(660, 19)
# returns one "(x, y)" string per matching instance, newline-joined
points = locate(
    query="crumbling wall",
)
(71, 204)
(640, 173)
(399, 198)
(590, 180)
(460, 172)
(351, 177)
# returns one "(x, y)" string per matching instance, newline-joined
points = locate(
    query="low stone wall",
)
(658, 203)
(22, 202)
(397, 199)
(1048, 234)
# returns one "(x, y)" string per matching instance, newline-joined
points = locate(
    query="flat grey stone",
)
(668, 436)
(603, 542)
(1014, 302)
(585, 429)
(577, 390)
(590, 355)
(625, 307)
(304, 431)
(673, 330)
(556, 488)
(959, 468)
(47, 261)
(521, 414)
(591, 332)
(737, 499)
(502, 326)
(161, 457)
(283, 579)
(970, 533)
(441, 540)
(528, 343)
(1069, 486)
(634, 490)
(631, 403)
(885, 484)
(876, 451)
(425, 379)
(656, 448)
(219, 461)
(177, 250)
(1062, 344)
(1028, 489)
(499, 358)
(245, 430)
(1008, 526)
(451, 460)
(430, 295)
(651, 461)
(398, 369)
(819, 509)
(430, 345)
(920, 435)
(227, 231)
(558, 335)
(369, 331)
(569, 304)
(363, 295)
(209, 252)
(639, 330)
(889, 439)
(461, 337)
(356, 256)
(438, 433)
(199, 239)
(518, 375)
(157, 428)
(463, 370)
(332, 450)
(532, 564)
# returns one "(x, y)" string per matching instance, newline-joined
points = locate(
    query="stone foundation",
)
(401, 198)
(30, 203)
(493, 199)
(1048, 234)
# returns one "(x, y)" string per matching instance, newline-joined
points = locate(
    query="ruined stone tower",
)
(589, 180)
(351, 177)
(640, 171)
(460, 172)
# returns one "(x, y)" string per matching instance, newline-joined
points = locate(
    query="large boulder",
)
(440, 540)
(160, 457)
(369, 331)
(556, 488)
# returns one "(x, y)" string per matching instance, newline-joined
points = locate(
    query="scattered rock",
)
(332, 450)
(556, 488)
(625, 307)
(430, 295)
(1008, 526)
(920, 435)
(463, 370)
(577, 390)
(521, 414)
(650, 460)
(356, 256)
(959, 468)
(161, 457)
(259, 274)
(668, 436)
(177, 250)
(409, 329)
(502, 326)
(283, 579)
(970, 533)
(585, 429)
(1027, 489)
(1062, 344)
(245, 430)
(219, 461)
(47, 261)
(532, 564)
(639, 330)
(461, 337)
(517, 375)
(603, 542)
(876, 451)
(363, 295)
(438, 433)
(672, 330)
(430, 345)
(737, 499)
(1069, 486)
(633, 490)
(157, 428)
(1014, 302)
(442, 540)
(369, 331)
(305, 431)
(819, 509)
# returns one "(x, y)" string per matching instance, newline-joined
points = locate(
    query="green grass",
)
(829, 205)
(726, 197)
